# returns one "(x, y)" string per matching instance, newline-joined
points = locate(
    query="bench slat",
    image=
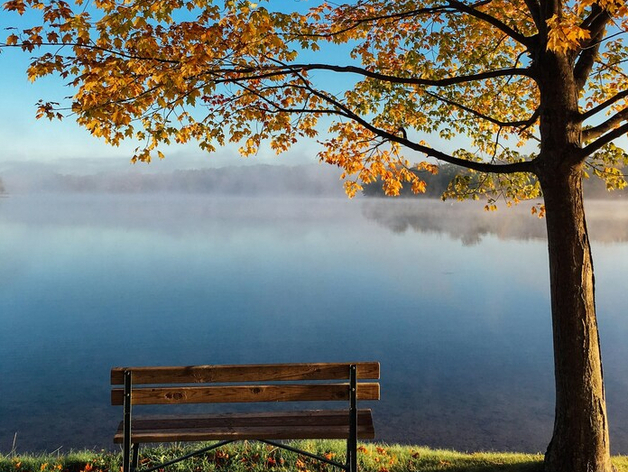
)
(313, 432)
(245, 394)
(244, 373)
(299, 417)
(316, 424)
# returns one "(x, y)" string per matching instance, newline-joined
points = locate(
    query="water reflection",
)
(462, 330)
(466, 221)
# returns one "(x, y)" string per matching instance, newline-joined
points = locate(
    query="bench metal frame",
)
(131, 450)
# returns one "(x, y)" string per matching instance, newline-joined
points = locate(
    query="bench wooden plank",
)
(245, 394)
(245, 373)
(312, 417)
(250, 433)
(315, 424)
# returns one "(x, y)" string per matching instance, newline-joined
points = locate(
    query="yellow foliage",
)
(565, 34)
(12, 39)
(352, 188)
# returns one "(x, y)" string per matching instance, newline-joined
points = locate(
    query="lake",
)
(453, 302)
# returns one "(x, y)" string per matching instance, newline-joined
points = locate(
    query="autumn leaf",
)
(18, 6)
(565, 34)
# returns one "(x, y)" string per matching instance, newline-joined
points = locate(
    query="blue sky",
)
(26, 139)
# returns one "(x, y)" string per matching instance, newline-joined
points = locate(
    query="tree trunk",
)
(580, 441)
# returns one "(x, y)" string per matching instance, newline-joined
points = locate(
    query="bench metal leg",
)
(135, 459)
(352, 457)
(352, 441)
(126, 443)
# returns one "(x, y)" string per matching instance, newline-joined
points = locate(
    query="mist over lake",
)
(453, 301)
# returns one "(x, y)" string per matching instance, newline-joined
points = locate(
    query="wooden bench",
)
(241, 384)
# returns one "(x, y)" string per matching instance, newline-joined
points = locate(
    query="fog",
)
(98, 176)
(177, 212)
(468, 222)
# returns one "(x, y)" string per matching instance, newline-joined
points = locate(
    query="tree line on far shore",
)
(437, 184)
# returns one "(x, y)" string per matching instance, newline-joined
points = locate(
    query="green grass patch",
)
(257, 457)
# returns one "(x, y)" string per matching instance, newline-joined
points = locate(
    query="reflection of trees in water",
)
(468, 222)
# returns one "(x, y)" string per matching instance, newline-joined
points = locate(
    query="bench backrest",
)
(240, 383)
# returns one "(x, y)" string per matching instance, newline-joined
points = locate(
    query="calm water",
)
(451, 300)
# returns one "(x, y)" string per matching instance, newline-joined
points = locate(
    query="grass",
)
(254, 457)
(257, 457)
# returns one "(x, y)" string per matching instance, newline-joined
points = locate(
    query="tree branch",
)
(608, 125)
(596, 27)
(504, 124)
(393, 16)
(441, 156)
(603, 141)
(535, 11)
(360, 22)
(526, 166)
(292, 68)
(520, 38)
(602, 106)
(253, 73)
(413, 80)
(277, 108)
(593, 18)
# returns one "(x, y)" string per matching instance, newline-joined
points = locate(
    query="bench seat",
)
(308, 424)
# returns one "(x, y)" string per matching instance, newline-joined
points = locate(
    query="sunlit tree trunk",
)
(580, 441)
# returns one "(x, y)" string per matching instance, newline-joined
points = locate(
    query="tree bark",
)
(580, 441)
